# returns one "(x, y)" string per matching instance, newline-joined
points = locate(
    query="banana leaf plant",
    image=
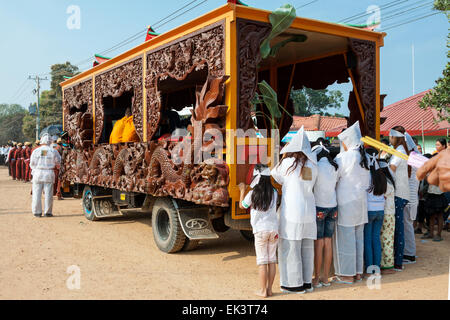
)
(280, 19)
(269, 98)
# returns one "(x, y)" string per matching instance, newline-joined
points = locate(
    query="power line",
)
(18, 90)
(24, 90)
(406, 9)
(392, 26)
(161, 25)
(364, 13)
(306, 4)
(139, 34)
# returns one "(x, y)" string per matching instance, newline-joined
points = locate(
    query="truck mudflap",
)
(195, 222)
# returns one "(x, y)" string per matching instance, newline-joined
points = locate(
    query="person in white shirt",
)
(326, 213)
(297, 174)
(43, 162)
(399, 167)
(262, 199)
(353, 175)
(375, 207)
(410, 212)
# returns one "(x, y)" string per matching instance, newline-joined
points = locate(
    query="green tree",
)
(11, 116)
(308, 101)
(439, 97)
(50, 101)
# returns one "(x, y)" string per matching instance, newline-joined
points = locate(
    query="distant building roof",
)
(408, 114)
(317, 122)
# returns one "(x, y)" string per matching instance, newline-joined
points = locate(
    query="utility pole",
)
(36, 91)
(413, 73)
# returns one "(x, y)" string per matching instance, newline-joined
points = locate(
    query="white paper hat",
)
(351, 136)
(300, 142)
(395, 133)
(410, 143)
(46, 139)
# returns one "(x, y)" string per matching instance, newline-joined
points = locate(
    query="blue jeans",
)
(325, 219)
(372, 241)
(399, 235)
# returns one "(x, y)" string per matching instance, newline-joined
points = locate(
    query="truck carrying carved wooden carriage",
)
(212, 64)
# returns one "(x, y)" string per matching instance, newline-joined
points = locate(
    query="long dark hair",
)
(386, 172)
(299, 158)
(363, 163)
(262, 195)
(324, 153)
(402, 141)
(378, 184)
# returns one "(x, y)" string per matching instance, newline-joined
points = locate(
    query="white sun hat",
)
(395, 133)
(300, 143)
(351, 137)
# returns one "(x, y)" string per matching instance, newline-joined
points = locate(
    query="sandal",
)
(437, 238)
(339, 280)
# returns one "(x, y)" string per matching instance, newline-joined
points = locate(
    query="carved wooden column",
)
(365, 77)
(250, 35)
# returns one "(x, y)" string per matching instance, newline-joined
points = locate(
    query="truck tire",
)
(167, 231)
(190, 245)
(88, 204)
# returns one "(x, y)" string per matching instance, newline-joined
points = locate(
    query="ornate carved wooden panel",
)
(365, 77)
(202, 49)
(114, 83)
(250, 35)
(149, 167)
(76, 119)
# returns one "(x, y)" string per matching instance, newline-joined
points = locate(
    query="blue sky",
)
(35, 35)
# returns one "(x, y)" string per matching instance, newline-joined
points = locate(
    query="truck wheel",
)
(167, 232)
(248, 235)
(190, 245)
(88, 204)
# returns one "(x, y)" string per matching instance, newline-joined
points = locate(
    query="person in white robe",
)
(410, 213)
(43, 161)
(351, 191)
(297, 174)
(399, 167)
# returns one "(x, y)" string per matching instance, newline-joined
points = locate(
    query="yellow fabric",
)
(117, 131)
(129, 131)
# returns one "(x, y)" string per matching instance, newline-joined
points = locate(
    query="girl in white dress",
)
(353, 175)
(297, 173)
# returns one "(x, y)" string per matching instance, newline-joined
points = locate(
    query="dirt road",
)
(118, 259)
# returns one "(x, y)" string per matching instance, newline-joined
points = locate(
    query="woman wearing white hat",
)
(399, 167)
(411, 208)
(297, 173)
(353, 174)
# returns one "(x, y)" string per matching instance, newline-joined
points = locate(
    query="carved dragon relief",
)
(149, 167)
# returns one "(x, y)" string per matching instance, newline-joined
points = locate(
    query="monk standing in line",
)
(19, 158)
(26, 162)
(12, 161)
